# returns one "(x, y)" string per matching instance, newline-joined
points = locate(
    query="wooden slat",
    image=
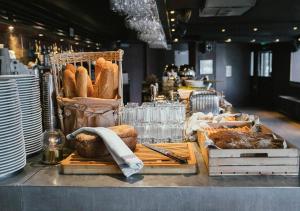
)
(253, 169)
(252, 161)
(215, 153)
(154, 163)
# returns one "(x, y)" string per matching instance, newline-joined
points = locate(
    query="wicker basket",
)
(58, 61)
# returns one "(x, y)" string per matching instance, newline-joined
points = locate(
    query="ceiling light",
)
(228, 40)
(255, 29)
(88, 41)
(11, 28)
(61, 40)
(97, 48)
(299, 39)
(38, 27)
(172, 19)
(60, 33)
(223, 30)
(253, 40)
(172, 30)
(76, 37)
(40, 35)
(277, 40)
(88, 46)
(175, 40)
(172, 12)
(295, 28)
(77, 43)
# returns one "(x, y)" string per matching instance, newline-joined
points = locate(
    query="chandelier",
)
(142, 16)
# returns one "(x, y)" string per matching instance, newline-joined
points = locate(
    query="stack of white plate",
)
(29, 94)
(12, 145)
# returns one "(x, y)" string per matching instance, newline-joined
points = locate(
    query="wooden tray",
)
(154, 163)
(250, 161)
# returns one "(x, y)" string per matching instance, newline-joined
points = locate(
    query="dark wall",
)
(156, 59)
(140, 61)
(267, 90)
(134, 64)
(237, 87)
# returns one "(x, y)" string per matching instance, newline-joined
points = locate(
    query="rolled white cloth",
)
(128, 162)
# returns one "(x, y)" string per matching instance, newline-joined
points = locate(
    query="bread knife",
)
(167, 153)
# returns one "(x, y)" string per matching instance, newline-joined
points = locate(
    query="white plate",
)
(13, 155)
(12, 170)
(13, 165)
(12, 107)
(10, 127)
(10, 98)
(12, 158)
(13, 140)
(10, 133)
(8, 116)
(33, 135)
(30, 137)
(11, 150)
(13, 113)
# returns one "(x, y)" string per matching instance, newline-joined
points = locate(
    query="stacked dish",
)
(12, 146)
(29, 94)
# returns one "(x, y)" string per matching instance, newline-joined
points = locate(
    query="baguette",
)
(90, 88)
(100, 63)
(71, 67)
(81, 82)
(69, 84)
(116, 78)
(105, 84)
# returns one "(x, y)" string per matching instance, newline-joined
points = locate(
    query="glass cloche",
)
(53, 143)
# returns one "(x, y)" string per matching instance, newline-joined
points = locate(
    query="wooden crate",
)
(250, 161)
(154, 163)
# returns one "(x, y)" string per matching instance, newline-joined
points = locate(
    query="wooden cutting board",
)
(154, 162)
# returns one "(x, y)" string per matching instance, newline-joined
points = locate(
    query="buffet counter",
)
(40, 187)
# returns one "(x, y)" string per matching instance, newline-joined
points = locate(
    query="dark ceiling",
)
(93, 19)
(274, 19)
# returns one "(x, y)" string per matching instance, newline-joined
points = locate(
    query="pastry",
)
(69, 84)
(81, 82)
(90, 145)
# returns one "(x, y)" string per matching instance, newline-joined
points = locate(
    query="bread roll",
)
(81, 82)
(71, 67)
(100, 63)
(90, 145)
(69, 84)
(105, 84)
(116, 78)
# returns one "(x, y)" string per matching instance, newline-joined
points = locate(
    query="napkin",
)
(128, 162)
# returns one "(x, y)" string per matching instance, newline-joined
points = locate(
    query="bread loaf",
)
(116, 78)
(105, 84)
(81, 82)
(90, 145)
(71, 67)
(69, 84)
